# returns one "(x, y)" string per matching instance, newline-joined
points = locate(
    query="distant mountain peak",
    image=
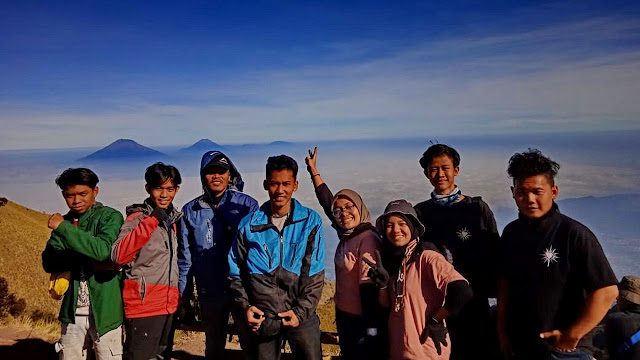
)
(202, 145)
(124, 149)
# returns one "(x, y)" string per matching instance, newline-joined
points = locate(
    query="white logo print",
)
(464, 234)
(549, 256)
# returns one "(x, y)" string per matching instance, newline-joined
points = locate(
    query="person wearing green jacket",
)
(80, 244)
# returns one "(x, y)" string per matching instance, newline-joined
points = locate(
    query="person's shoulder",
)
(513, 226)
(574, 227)
(423, 204)
(107, 211)
(242, 198)
(192, 205)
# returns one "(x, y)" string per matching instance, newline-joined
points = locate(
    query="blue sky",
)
(164, 73)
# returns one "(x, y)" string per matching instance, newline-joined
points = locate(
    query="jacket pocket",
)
(293, 254)
(266, 250)
(143, 288)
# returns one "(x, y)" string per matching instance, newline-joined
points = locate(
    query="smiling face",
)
(346, 213)
(441, 174)
(80, 198)
(217, 179)
(397, 230)
(163, 194)
(281, 184)
(534, 196)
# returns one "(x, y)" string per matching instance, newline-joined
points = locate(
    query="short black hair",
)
(438, 150)
(159, 173)
(77, 176)
(531, 163)
(282, 162)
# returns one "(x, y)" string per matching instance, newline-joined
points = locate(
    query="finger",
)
(368, 262)
(548, 334)
(438, 348)
(257, 311)
(315, 151)
(378, 257)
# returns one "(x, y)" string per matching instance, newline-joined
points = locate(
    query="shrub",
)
(10, 304)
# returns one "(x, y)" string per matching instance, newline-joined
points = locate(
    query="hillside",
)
(24, 234)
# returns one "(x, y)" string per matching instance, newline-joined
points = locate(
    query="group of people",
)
(413, 284)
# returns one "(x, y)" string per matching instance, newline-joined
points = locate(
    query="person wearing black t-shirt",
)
(464, 230)
(555, 284)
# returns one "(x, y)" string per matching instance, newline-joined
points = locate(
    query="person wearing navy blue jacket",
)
(276, 269)
(208, 227)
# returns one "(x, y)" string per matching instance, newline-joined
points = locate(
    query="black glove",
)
(438, 333)
(159, 214)
(377, 272)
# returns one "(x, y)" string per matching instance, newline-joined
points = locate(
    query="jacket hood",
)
(235, 181)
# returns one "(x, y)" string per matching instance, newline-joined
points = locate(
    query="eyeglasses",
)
(338, 211)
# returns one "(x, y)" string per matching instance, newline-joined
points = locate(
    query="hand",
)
(437, 332)
(54, 221)
(255, 317)
(377, 272)
(289, 318)
(311, 161)
(563, 340)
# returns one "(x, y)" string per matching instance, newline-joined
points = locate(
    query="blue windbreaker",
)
(207, 233)
(278, 271)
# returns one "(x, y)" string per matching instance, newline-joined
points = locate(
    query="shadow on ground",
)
(29, 349)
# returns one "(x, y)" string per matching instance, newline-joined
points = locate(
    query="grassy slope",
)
(23, 236)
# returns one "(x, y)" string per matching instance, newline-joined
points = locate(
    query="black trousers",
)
(215, 315)
(304, 341)
(148, 337)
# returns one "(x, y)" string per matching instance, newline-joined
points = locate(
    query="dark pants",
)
(304, 341)
(472, 332)
(216, 318)
(354, 342)
(148, 337)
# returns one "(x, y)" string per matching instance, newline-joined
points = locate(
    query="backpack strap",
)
(625, 346)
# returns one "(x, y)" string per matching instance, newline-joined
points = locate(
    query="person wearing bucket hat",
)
(464, 230)
(622, 328)
(423, 287)
(360, 321)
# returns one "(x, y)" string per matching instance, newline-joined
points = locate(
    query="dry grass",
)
(43, 329)
(23, 235)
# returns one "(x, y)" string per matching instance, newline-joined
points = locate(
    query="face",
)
(80, 198)
(441, 174)
(534, 196)
(281, 185)
(163, 195)
(217, 179)
(397, 230)
(346, 213)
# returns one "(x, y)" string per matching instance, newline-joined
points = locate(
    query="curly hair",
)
(531, 163)
(438, 150)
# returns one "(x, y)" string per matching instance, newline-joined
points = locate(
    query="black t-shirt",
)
(467, 235)
(550, 265)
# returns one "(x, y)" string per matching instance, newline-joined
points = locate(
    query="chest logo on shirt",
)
(550, 255)
(464, 234)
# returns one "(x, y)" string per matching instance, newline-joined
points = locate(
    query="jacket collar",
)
(204, 204)
(146, 207)
(262, 218)
(545, 221)
(70, 215)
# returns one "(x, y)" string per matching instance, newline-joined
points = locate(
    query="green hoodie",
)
(88, 245)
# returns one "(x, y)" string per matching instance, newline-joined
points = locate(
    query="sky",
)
(85, 73)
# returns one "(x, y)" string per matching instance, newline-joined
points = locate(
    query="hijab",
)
(365, 217)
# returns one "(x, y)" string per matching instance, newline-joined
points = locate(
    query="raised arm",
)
(135, 233)
(323, 193)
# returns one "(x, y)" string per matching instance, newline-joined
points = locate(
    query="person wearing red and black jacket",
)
(147, 247)
(276, 269)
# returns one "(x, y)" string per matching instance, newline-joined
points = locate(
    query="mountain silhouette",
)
(201, 146)
(124, 149)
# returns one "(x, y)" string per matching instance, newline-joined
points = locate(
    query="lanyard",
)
(400, 286)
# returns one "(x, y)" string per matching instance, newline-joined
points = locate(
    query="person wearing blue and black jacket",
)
(276, 269)
(208, 227)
